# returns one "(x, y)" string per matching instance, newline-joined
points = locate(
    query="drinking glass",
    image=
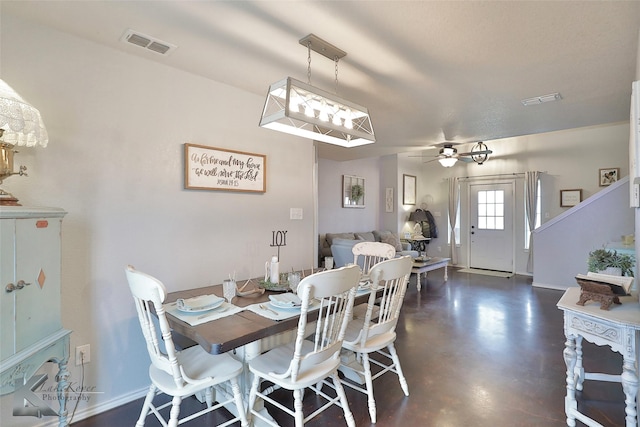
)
(294, 279)
(229, 289)
(328, 262)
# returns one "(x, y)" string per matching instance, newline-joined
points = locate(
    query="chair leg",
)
(367, 376)
(348, 416)
(208, 396)
(146, 405)
(253, 394)
(239, 403)
(297, 405)
(175, 411)
(396, 361)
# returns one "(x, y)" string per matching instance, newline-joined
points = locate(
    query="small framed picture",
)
(608, 176)
(408, 190)
(570, 198)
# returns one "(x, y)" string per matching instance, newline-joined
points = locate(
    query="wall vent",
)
(147, 42)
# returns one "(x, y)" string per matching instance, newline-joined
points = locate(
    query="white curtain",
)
(454, 195)
(531, 206)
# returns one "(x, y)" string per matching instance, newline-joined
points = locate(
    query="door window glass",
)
(491, 210)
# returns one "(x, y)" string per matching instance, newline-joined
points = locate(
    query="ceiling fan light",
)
(447, 162)
(448, 151)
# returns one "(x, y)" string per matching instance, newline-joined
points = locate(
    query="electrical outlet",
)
(83, 354)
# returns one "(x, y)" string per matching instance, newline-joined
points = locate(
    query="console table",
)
(617, 328)
(432, 264)
(30, 304)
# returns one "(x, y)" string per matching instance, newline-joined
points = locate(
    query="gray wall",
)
(117, 124)
(562, 245)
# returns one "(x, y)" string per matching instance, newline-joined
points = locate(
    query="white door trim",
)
(467, 215)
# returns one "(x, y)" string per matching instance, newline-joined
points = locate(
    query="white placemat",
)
(271, 312)
(195, 319)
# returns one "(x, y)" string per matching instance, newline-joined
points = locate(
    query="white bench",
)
(430, 265)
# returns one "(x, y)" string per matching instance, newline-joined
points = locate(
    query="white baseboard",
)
(547, 286)
(98, 409)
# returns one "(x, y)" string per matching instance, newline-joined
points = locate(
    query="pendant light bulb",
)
(336, 119)
(348, 123)
(324, 116)
(308, 111)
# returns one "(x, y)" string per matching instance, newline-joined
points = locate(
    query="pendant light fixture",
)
(304, 110)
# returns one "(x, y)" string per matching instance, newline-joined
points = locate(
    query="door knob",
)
(10, 287)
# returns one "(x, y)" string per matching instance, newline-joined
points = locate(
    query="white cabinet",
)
(30, 300)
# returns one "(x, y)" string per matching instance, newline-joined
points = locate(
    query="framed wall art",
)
(408, 190)
(352, 191)
(388, 200)
(608, 176)
(570, 198)
(210, 168)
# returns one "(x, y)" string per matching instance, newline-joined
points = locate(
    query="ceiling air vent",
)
(147, 42)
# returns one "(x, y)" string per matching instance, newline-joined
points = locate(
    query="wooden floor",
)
(477, 351)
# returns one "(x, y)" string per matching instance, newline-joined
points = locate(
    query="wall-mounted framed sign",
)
(211, 168)
(570, 198)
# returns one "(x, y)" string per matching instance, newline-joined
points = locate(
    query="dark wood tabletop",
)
(233, 331)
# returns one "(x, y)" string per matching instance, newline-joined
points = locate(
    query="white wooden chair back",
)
(333, 291)
(147, 292)
(368, 254)
(390, 276)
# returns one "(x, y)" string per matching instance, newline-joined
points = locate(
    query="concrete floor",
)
(477, 351)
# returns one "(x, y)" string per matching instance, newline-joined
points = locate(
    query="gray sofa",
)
(338, 245)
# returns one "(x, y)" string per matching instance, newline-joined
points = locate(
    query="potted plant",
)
(603, 260)
(356, 192)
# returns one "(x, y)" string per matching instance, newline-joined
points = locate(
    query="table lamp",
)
(20, 125)
(417, 216)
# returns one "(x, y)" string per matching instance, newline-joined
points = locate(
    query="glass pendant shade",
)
(304, 110)
(447, 162)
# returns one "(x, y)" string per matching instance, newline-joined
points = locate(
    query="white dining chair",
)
(368, 254)
(376, 334)
(179, 373)
(308, 363)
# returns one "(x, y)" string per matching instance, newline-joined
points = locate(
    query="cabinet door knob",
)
(21, 284)
(10, 287)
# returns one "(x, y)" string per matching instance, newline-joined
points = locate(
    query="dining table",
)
(241, 330)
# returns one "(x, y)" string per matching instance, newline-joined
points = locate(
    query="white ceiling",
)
(428, 71)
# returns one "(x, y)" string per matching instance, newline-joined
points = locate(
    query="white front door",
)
(491, 226)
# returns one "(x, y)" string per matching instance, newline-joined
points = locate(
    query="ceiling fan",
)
(448, 155)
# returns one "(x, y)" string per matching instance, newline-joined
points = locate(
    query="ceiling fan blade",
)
(476, 153)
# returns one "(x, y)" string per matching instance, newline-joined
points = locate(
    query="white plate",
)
(200, 304)
(219, 309)
(287, 308)
(285, 300)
